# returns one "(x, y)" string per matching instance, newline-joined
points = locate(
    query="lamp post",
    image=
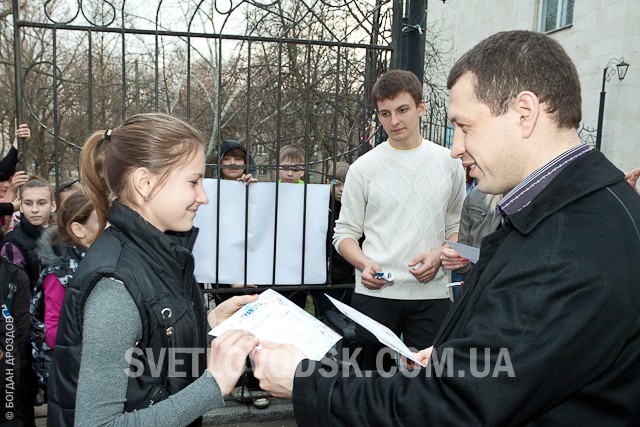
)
(621, 66)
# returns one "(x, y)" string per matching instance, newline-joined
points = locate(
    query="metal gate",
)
(264, 72)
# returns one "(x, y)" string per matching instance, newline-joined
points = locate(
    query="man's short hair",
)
(510, 62)
(36, 182)
(292, 153)
(393, 83)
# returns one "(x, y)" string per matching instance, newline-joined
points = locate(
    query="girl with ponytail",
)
(131, 340)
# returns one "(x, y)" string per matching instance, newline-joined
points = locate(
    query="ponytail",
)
(92, 171)
(154, 141)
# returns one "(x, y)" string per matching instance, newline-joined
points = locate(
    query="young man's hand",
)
(429, 268)
(368, 281)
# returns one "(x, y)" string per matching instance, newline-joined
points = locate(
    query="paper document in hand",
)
(274, 318)
(384, 334)
(465, 251)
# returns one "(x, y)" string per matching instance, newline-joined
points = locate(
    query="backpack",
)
(13, 254)
(8, 289)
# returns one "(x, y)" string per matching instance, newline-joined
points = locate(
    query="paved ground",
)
(234, 414)
(279, 413)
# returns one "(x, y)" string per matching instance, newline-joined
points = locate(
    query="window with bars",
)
(555, 14)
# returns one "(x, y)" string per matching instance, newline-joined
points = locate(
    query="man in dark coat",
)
(547, 332)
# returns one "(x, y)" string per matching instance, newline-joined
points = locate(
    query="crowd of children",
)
(44, 243)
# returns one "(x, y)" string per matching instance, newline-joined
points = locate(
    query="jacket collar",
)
(34, 231)
(591, 172)
(172, 249)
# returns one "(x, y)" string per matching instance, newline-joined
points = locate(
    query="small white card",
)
(465, 251)
(384, 334)
(274, 318)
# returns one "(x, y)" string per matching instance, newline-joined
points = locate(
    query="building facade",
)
(592, 32)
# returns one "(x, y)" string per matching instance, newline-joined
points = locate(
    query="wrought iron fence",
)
(267, 74)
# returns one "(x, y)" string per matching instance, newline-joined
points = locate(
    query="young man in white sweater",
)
(405, 197)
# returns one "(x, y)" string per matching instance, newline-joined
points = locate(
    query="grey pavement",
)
(279, 413)
(233, 414)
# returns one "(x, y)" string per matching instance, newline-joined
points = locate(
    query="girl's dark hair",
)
(77, 208)
(154, 141)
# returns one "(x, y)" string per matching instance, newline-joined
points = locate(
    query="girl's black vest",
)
(157, 270)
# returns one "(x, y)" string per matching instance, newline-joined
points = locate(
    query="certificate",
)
(274, 318)
(384, 334)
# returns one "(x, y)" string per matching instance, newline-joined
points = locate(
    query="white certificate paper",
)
(384, 334)
(274, 318)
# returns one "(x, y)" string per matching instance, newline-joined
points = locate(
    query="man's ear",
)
(143, 180)
(528, 108)
(53, 205)
(422, 107)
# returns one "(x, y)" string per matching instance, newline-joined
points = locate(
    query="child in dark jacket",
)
(19, 246)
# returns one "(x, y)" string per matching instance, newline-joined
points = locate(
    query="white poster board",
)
(261, 225)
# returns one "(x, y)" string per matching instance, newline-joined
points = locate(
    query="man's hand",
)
(429, 268)
(225, 309)
(227, 358)
(424, 355)
(275, 366)
(451, 260)
(632, 177)
(368, 281)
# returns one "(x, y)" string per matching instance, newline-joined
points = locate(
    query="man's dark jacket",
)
(157, 270)
(554, 300)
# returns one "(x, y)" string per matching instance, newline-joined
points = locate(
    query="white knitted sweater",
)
(404, 207)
